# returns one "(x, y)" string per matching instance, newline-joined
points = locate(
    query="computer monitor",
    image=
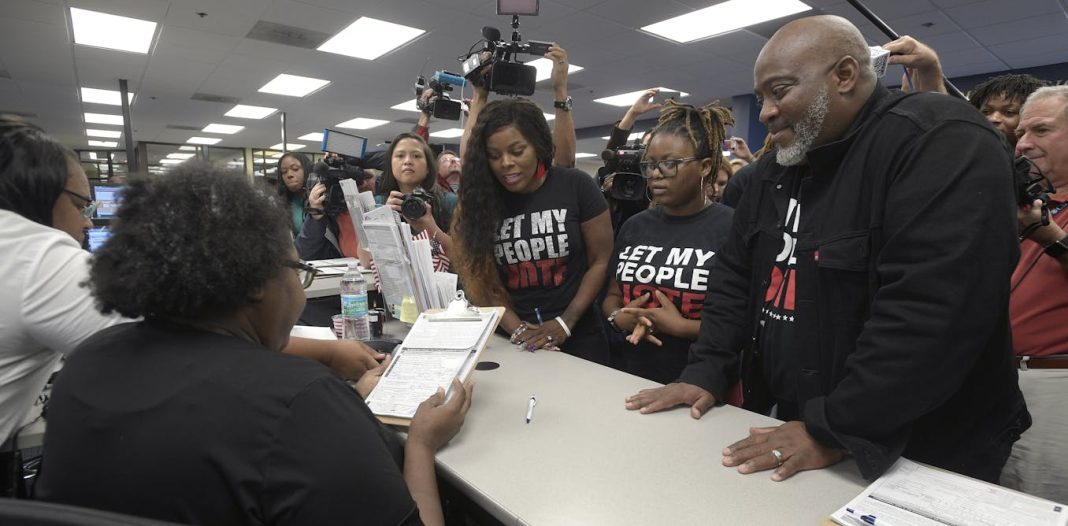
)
(107, 197)
(95, 237)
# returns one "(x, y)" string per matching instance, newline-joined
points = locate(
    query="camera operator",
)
(1038, 306)
(621, 130)
(328, 232)
(564, 140)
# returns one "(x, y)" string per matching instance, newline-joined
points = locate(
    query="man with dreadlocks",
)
(660, 266)
(1000, 99)
(863, 290)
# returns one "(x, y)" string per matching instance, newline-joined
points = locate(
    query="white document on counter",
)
(436, 350)
(912, 494)
(312, 333)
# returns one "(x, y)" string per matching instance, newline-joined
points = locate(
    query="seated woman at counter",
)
(193, 415)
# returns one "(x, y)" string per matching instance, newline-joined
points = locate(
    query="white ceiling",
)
(211, 55)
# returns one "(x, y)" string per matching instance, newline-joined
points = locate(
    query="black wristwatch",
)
(563, 104)
(1057, 249)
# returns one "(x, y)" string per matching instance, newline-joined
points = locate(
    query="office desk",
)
(584, 459)
(323, 286)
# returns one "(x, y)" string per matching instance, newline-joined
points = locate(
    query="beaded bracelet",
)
(518, 330)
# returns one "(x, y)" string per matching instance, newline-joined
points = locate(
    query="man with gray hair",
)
(1038, 306)
(863, 293)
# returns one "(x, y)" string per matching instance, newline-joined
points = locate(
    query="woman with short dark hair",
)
(192, 415)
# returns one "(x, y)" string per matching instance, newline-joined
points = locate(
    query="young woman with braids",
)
(529, 236)
(660, 266)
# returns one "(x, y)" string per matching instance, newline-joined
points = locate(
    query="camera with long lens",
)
(508, 76)
(623, 165)
(412, 206)
(440, 106)
(331, 171)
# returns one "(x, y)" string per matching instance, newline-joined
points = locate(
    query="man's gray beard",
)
(806, 131)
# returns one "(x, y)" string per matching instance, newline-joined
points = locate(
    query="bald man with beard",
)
(863, 294)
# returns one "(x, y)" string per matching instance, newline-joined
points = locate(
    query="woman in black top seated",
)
(193, 415)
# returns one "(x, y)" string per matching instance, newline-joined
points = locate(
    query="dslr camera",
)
(440, 106)
(623, 164)
(330, 172)
(508, 76)
(412, 206)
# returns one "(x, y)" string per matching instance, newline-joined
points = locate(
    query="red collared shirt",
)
(1038, 306)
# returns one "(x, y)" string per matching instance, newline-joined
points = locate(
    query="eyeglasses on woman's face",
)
(87, 205)
(305, 272)
(667, 168)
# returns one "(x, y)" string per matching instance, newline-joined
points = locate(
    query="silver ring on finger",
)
(778, 457)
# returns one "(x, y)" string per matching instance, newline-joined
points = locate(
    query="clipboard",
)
(418, 369)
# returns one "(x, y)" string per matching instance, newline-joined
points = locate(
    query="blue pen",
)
(537, 312)
(868, 519)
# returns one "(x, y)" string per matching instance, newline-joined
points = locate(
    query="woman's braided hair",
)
(704, 126)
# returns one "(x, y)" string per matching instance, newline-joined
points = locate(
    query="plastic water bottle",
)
(354, 305)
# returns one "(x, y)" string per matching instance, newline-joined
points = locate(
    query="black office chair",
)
(37, 513)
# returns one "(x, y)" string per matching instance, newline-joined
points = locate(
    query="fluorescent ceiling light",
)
(171, 161)
(293, 85)
(182, 156)
(585, 155)
(243, 111)
(545, 68)
(361, 123)
(92, 28)
(203, 140)
(103, 118)
(632, 137)
(313, 137)
(279, 155)
(92, 156)
(289, 147)
(105, 96)
(450, 133)
(263, 161)
(104, 144)
(228, 129)
(627, 99)
(370, 38)
(107, 134)
(408, 105)
(188, 148)
(722, 18)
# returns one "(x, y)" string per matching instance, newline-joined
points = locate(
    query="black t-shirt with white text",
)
(672, 254)
(540, 253)
(778, 316)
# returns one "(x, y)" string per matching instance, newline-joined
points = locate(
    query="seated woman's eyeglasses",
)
(305, 272)
(89, 208)
(667, 168)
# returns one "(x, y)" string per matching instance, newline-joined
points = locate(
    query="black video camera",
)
(412, 206)
(440, 106)
(507, 76)
(330, 171)
(623, 165)
(1030, 182)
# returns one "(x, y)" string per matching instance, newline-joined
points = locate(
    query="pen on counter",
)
(537, 312)
(530, 407)
(868, 518)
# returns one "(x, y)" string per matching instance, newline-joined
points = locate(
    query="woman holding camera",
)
(531, 236)
(408, 173)
(293, 169)
(662, 256)
(192, 415)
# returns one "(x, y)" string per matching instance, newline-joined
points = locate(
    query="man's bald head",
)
(819, 40)
(812, 78)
